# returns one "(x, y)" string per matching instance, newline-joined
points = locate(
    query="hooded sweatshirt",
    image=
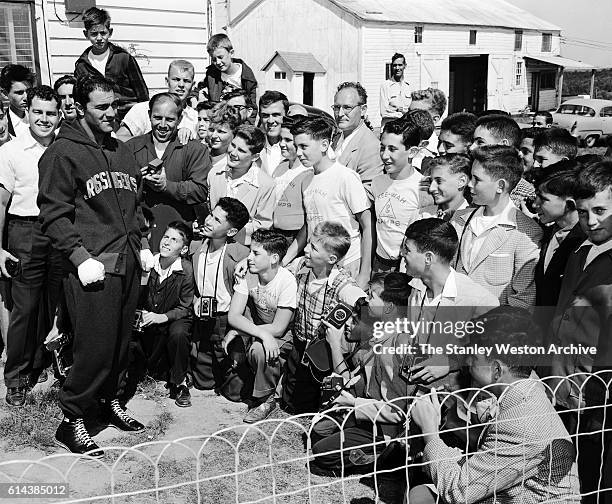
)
(89, 199)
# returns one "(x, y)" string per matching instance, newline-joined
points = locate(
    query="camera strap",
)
(467, 223)
(217, 271)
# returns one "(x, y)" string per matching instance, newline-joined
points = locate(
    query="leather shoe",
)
(183, 397)
(16, 396)
(72, 435)
(117, 417)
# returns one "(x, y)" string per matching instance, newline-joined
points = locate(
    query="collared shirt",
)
(419, 297)
(208, 265)
(554, 243)
(397, 94)
(479, 228)
(250, 177)
(596, 250)
(345, 141)
(20, 125)
(177, 265)
(137, 119)
(447, 214)
(524, 189)
(19, 173)
(270, 157)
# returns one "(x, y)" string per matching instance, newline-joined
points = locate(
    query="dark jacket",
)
(123, 69)
(187, 167)
(215, 84)
(89, 198)
(548, 284)
(174, 296)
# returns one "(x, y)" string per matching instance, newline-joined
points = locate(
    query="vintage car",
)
(586, 119)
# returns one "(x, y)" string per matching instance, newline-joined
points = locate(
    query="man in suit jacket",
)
(524, 454)
(498, 245)
(358, 148)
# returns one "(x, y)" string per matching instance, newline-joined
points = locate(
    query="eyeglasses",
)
(347, 109)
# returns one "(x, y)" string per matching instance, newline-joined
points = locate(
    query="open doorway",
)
(308, 88)
(468, 83)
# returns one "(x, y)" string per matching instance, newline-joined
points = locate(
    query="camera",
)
(208, 307)
(408, 362)
(329, 388)
(138, 321)
(339, 315)
(61, 348)
(154, 167)
(13, 268)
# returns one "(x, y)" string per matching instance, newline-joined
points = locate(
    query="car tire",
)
(591, 140)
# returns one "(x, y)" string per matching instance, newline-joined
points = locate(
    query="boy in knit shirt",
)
(335, 194)
(396, 192)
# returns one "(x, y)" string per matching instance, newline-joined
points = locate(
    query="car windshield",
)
(582, 110)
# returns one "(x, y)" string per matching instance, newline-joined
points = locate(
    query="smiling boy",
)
(450, 175)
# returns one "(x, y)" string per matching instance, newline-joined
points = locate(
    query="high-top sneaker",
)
(115, 416)
(72, 435)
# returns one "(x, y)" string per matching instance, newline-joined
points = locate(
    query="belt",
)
(27, 218)
(387, 262)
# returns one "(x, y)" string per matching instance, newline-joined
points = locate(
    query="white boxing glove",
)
(90, 271)
(146, 260)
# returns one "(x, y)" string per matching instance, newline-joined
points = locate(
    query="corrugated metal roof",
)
(562, 62)
(455, 12)
(297, 62)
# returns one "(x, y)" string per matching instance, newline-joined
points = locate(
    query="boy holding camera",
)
(321, 287)
(213, 267)
(269, 291)
(166, 318)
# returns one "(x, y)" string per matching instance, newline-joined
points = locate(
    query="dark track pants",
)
(102, 317)
(35, 294)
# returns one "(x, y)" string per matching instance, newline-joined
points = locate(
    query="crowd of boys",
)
(177, 239)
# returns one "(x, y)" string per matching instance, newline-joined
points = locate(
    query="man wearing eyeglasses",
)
(357, 147)
(394, 92)
(237, 102)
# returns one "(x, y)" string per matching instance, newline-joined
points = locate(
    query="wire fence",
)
(507, 447)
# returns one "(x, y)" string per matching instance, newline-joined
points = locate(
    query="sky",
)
(583, 22)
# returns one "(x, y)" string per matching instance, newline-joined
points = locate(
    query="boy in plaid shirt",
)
(321, 285)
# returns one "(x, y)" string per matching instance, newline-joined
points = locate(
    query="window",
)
(388, 70)
(518, 40)
(16, 35)
(472, 37)
(434, 84)
(418, 34)
(518, 81)
(548, 80)
(606, 112)
(280, 75)
(546, 42)
(576, 110)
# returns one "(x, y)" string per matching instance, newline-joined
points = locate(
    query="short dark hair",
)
(462, 124)
(423, 120)
(219, 40)
(270, 97)
(64, 79)
(508, 325)
(205, 105)
(435, 97)
(183, 229)
(94, 16)
(315, 127)
(254, 137)
(15, 73)
(398, 56)
(544, 113)
(594, 178)
(530, 133)
(436, 235)
(237, 214)
(171, 97)
(44, 93)
(500, 162)
(336, 239)
(457, 163)
(407, 129)
(272, 242)
(235, 93)
(558, 140)
(363, 95)
(86, 85)
(558, 179)
(503, 127)
(396, 288)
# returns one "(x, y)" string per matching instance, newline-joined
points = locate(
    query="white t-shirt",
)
(206, 281)
(337, 194)
(138, 121)
(282, 181)
(98, 61)
(280, 292)
(234, 80)
(160, 148)
(396, 203)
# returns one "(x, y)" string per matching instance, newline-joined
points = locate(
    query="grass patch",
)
(154, 430)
